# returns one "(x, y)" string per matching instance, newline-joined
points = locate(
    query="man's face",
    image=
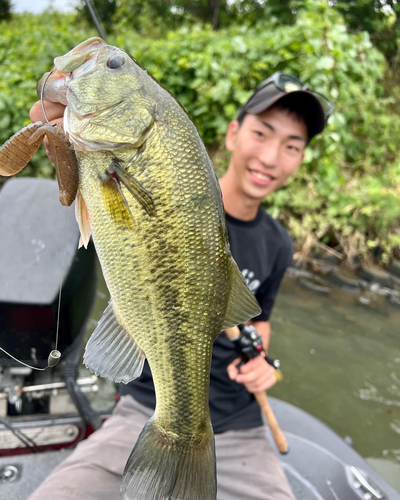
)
(266, 150)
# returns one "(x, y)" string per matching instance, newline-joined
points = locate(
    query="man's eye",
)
(258, 133)
(294, 149)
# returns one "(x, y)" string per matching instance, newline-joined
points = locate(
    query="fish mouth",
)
(53, 87)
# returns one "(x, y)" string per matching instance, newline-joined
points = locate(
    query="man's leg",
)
(94, 470)
(247, 467)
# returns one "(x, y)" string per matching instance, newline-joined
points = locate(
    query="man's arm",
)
(256, 375)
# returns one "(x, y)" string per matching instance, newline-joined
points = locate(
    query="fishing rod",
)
(95, 19)
(255, 349)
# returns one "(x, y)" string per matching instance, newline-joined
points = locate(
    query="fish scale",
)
(178, 320)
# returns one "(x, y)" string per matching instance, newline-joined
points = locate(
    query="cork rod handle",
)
(262, 400)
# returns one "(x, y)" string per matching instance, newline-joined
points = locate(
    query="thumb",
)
(232, 368)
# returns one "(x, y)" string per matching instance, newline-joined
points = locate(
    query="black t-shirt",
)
(263, 250)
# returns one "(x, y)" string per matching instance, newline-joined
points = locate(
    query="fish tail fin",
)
(160, 467)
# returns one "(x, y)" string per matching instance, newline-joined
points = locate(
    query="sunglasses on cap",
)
(287, 83)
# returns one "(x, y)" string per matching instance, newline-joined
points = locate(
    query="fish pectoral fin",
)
(116, 202)
(242, 305)
(82, 218)
(136, 189)
(112, 352)
(16, 153)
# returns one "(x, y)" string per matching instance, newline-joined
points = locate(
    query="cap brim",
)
(309, 104)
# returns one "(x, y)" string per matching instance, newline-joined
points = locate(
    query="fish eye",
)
(115, 62)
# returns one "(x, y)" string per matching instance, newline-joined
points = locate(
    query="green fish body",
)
(150, 198)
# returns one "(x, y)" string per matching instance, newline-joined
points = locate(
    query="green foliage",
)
(154, 18)
(104, 11)
(5, 10)
(160, 16)
(381, 18)
(347, 192)
(28, 45)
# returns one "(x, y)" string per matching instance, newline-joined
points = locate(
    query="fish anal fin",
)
(82, 218)
(242, 305)
(16, 153)
(136, 189)
(112, 352)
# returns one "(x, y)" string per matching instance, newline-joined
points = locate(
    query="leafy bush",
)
(5, 10)
(346, 194)
(349, 183)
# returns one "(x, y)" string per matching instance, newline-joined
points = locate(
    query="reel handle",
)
(262, 400)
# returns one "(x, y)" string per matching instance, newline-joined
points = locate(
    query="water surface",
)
(341, 363)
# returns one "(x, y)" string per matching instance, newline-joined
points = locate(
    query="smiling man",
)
(267, 142)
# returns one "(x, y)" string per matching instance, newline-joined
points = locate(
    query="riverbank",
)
(347, 192)
(373, 285)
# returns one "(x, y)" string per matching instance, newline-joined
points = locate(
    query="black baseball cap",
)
(313, 106)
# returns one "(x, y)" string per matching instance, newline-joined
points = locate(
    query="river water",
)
(340, 361)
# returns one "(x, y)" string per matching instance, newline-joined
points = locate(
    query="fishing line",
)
(55, 354)
(21, 362)
(61, 282)
(42, 94)
(329, 483)
(95, 18)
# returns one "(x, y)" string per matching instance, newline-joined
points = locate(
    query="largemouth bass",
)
(147, 193)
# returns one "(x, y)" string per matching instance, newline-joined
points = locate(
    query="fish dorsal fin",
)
(82, 218)
(242, 305)
(112, 352)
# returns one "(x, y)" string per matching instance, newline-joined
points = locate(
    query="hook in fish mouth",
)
(42, 94)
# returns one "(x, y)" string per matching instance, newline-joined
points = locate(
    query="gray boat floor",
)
(34, 468)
